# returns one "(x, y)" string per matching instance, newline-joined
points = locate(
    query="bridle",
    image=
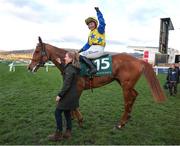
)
(43, 54)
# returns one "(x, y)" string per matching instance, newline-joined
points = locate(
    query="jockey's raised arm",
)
(102, 24)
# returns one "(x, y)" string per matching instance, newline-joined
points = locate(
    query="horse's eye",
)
(36, 51)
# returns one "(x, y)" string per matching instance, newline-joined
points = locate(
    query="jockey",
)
(94, 47)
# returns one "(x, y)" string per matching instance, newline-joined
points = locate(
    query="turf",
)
(27, 104)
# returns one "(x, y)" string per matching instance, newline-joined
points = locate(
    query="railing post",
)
(46, 68)
(156, 70)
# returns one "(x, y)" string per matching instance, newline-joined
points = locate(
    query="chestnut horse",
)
(126, 70)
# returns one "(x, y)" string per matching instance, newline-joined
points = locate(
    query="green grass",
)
(27, 104)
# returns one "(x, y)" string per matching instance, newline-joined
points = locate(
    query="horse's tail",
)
(153, 82)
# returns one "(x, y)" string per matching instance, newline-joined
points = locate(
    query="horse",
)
(126, 70)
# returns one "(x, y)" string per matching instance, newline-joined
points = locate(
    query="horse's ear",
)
(40, 40)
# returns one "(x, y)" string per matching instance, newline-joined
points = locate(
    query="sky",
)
(61, 23)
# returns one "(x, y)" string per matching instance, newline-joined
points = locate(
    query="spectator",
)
(172, 79)
(67, 99)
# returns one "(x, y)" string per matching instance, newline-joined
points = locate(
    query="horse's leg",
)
(76, 113)
(125, 115)
(73, 115)
(129, 99)
(79, 116)
(134, 94)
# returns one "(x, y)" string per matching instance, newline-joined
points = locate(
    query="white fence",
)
(13, 65)
(160, 69)
(47, 66)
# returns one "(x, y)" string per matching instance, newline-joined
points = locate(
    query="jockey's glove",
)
(96, 8)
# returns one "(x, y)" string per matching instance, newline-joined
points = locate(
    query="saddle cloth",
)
(103, 65)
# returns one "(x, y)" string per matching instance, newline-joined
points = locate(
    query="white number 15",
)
(102, 63)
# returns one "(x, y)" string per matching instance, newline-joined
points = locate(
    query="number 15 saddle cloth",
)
(103, 65)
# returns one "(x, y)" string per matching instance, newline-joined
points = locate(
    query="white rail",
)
(160, 69)
(13, 65)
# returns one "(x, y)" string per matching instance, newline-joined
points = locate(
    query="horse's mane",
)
(56, 52)
(61, 49)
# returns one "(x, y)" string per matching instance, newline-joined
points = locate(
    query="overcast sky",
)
(61, 22)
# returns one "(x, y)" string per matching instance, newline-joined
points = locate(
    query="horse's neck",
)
(55, 53)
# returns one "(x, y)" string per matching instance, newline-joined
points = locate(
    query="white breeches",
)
(93, 52)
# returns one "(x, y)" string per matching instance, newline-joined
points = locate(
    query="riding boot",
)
(67, 134)
(93, 69)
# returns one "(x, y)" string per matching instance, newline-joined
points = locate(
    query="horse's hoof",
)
(119, 127)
